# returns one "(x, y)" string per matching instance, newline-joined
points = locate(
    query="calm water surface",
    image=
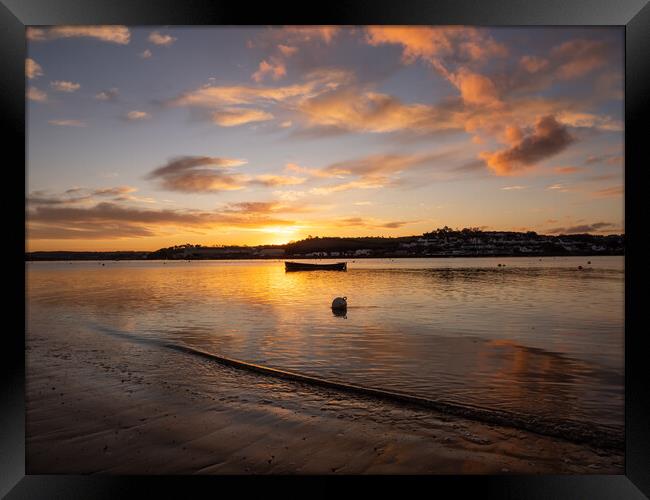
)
(536, 337)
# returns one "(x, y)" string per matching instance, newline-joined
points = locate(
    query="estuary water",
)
(534, 337)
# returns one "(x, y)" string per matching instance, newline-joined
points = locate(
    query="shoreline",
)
(473, 256)
(99, 404)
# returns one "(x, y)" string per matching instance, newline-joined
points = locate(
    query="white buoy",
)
(340, 303)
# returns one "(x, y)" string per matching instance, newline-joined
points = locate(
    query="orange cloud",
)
(287, 50)
(579, 57)
(310, 33)
(232, 116)
(475, 88)
(548, 138)
(433, 43)
(534, 64)
(63, 86)
(273, 68)
(113, 34)
(32, 69)
(136, 115)
(568, 170)
(448, 50)
(34, 94)
(610, 192)
(363, 111)
(158, 38)
(271, 180)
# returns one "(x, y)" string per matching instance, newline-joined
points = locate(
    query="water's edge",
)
(577, 432)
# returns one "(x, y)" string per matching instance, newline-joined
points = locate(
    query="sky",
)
(140, 138)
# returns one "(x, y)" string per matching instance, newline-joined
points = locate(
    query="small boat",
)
(301, 266)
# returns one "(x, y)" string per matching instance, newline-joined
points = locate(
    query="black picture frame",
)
(634, 15)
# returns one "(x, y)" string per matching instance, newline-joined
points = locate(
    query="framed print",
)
(376, 242)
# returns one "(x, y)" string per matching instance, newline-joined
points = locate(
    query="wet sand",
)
(99, 404)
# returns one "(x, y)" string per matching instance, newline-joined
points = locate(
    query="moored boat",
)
(302, 266)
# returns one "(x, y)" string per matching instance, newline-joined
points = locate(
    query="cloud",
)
(548, 138)
(113, 34)
(34, 94)
(67, 123)
(609, 159)
(215, 96)
(579, 57)
(355, 110)
(114, 191)
(264, 207)
(450, 50)
(64, 86)
(558, 187)
(233, 116)
(569, 60)
(145, 54)
(273, 68)
(310, 33)
(107, 95)
(371, 223)
(590, 120)
(475, 88)
(534, 64)
(32, 69)
(436, 44)
(80, 195)
(372, 171)
(158, 38)
(106, 220)
(610, 192)
(596, 227)
(137, 115)
(271, 180)
(568, 170)
(200, 174)
(513, 188)
(287, 50)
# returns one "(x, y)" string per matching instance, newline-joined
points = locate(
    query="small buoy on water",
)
(588, 262)
(340, 303)
(579, 267)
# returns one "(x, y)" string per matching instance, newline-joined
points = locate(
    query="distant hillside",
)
(443, 242)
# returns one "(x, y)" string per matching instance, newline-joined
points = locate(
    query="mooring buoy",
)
(340, 303)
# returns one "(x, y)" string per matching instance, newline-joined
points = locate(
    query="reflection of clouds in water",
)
(548, 338)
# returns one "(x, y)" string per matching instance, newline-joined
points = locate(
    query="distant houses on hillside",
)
(443, 242)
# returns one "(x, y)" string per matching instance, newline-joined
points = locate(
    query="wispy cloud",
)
(113, 34)
(596, 227)
(65, 86)
(158, 38)
(34, 94)
(610, 192)
(67, 123)
(32, 69)
(145, 54)
(234, 116)
(273, 68)
(136, 115)
(108, 95)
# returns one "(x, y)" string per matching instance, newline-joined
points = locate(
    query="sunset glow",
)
(145, 137)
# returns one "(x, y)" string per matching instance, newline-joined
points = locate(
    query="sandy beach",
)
(100, 404)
